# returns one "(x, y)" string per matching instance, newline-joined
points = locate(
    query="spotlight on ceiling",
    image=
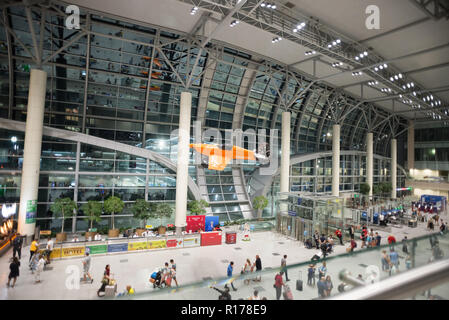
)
(276, 39)
(194, 10)
(234, 23)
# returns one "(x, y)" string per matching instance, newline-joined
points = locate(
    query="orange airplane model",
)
(219, 158)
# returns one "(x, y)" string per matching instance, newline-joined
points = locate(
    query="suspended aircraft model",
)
(217, 157)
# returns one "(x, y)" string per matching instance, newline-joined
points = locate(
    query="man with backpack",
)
(17, 246)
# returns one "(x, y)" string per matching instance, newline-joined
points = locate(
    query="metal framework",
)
(340, 106)
(317, 36)
(436, 9)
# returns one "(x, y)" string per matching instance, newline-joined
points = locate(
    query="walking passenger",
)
(229, 274)
(13, 271)
(278, 284)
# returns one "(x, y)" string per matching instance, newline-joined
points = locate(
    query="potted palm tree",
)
(197, 207)
(260, 203)
(163, 210)
(64, 208)
(92, 210)
(142, 211)
(113, 205)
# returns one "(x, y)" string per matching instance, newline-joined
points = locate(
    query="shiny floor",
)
(193, 264)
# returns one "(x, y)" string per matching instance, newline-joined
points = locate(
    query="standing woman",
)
(329, 286)
(14, 271)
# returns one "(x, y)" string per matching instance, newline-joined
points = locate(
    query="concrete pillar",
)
(32, 153)
(285, 157)
(369, 162)
(182, 173)
(411, 145)
(336, 160)
(394, 164)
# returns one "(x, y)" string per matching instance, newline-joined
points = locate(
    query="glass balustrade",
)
(363, 264)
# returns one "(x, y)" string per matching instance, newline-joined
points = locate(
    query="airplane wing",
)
(206, 149)
(242, 154)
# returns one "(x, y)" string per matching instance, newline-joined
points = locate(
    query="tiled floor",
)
(193, 264)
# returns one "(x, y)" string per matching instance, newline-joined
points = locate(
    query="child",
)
(39, 269)
(33, 263)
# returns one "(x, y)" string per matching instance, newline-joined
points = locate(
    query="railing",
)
(403, 286)
(366, 263)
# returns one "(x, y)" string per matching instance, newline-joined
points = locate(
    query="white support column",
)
(336, 160)
(411, 145)
(285, 156)
(369, 162)
(182, 173)
(32, 153)
(394, 163)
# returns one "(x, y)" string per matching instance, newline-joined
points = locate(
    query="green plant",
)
(364, 188)
(386, 187)
(142, 210)
(64, 208)
(260, 203)
(376, 189)
(92, 210)
(197, 206)
(163, 210)
(113, 205)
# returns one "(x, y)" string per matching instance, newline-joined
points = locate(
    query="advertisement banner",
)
(174, 243)
(118, 247)
(191, 242)
(211, 222)
(103, 248)
(156, 244)
(31, 211)
(133, 246)
(195, 223)
(72, 252)
(55, 253)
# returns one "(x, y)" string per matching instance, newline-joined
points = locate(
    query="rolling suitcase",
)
(299, 282)
(110, 291)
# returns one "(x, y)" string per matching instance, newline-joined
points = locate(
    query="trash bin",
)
(412, 223)
(231, 237)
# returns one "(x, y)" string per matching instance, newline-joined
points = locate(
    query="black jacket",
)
(17, 243)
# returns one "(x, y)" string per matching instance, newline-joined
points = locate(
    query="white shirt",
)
(255, 298)
(50, 245)
(41, 264)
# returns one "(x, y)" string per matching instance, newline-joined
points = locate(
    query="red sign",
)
(211, 238)
(195, 223)
(173, 243)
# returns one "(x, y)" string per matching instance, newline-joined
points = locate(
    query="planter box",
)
(113, 233)
(60, 237)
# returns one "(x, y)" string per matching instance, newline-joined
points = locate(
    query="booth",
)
(376, 218)
(212, 238)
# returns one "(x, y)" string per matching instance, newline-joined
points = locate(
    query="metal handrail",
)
(401, 286)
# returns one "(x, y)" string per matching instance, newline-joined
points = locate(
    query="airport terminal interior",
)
(224, 149)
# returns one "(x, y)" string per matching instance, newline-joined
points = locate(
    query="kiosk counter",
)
(212, 238)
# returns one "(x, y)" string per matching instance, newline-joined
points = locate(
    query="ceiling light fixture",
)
(194, 10)
(234, 23)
